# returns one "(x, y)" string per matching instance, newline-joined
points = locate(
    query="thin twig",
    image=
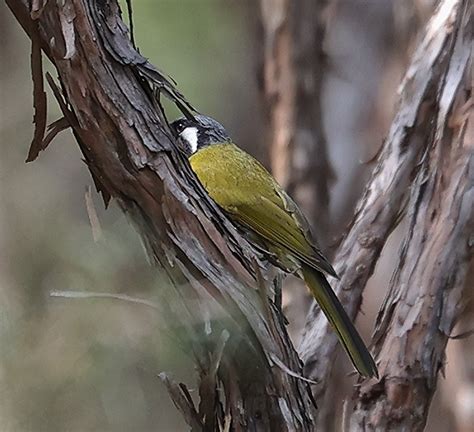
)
(98, 295)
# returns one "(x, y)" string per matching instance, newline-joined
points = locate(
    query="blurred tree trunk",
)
(292, 75)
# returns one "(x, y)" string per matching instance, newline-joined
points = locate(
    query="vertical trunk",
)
(292, 75)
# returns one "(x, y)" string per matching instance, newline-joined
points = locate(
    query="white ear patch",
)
(190, 135)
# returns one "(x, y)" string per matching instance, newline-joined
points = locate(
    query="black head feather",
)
(199, 132)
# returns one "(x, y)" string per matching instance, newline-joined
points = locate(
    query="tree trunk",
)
(292, 75)
(107, 98)
(410, 151)
(426, 290)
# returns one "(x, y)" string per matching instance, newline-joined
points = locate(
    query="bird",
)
(254, 201)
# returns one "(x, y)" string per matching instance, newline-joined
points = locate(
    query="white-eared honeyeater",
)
(253, 199)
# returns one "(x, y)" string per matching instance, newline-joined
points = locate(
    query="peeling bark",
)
(387, 193)
(106, 94)
(39, 96)
(426, 291)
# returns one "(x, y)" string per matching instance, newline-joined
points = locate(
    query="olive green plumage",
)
(251, 196)
(247, 192)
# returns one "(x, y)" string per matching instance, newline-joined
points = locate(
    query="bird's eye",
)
(179, 126)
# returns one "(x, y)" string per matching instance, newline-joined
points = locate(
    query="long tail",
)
(336, 315)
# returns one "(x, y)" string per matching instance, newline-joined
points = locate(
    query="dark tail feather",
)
(336, 315)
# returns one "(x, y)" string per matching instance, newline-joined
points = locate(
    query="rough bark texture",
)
(457, 390)
(387, 192)
(426, 291)
(292, 74)
(106, 97)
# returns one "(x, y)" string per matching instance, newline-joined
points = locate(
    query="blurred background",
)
(92, 364)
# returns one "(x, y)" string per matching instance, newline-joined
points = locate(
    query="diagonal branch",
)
(426, 291)
(386, 194)
(107, 95)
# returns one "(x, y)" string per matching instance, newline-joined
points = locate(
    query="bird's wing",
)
(277, 224)
(253, 198)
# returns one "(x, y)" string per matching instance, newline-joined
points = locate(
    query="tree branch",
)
(426, 291)
(106, 95)
(385, 197)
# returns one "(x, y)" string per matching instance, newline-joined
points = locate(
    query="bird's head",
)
(199, 132)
